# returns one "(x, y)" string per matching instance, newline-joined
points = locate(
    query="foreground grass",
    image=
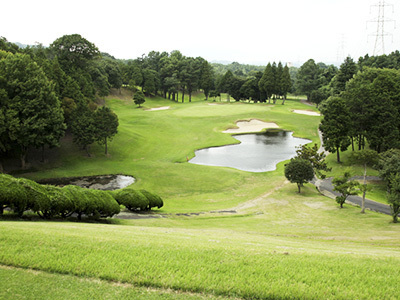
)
(212, 261)
(277, 245)
(43, 285)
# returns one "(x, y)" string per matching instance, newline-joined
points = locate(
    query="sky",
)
(246, 31)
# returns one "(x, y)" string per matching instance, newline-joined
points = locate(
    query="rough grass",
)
(278, 245)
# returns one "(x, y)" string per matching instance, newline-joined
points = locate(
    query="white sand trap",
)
(306, 112)
(251, 126)
(159, 108)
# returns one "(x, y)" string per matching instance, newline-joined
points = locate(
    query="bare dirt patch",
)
(253, 125)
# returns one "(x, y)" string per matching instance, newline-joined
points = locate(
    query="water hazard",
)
(259, 152)
(102, 182)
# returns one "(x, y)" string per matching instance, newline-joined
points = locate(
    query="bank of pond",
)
(20, 195)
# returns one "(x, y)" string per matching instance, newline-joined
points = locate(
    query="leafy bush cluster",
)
(135, 200)
(48, 201)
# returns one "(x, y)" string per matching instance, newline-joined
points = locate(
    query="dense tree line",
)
(318, 81)
(367, 111)
(45, 91)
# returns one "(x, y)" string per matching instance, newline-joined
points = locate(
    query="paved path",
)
(326, 188)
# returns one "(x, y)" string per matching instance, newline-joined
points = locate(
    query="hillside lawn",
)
(242, 235)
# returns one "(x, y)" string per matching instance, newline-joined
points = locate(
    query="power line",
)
(380, 33)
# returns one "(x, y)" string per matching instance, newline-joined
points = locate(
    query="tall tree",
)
(84, 128)
(373, 98)
(308, 78)
(286, 83)
(33, 114)
(74, 51)
(346, 72)
(366, 158)
(267, 82)
(206, 78)
(106, 123)
(393, 195)
(335, 126)
(225, 85)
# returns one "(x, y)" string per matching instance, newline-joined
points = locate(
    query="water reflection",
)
(255, 153)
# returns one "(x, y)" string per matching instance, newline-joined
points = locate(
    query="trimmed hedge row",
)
(48, 201)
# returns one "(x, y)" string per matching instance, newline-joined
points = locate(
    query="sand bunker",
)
(306, 112)
(158, 108)
(251, 126)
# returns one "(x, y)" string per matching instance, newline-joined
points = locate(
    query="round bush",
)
(106, 205)
(37, 195)
(12, 194)
(131, 199)
(154, 200)
(78, 198)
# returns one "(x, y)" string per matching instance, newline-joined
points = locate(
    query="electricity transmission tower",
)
(380, 33)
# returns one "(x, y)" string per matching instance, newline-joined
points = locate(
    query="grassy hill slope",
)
(269, 243)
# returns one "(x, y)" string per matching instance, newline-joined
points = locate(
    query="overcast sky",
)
(247, 31)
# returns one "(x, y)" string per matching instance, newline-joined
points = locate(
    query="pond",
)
(259, 152)
(101, 182)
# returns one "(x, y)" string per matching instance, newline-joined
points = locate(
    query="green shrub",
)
(12, 195)
(106, 205)
(154, 200)
(78, 198)
(60, 202)
(90, 206)
(37, 195)
(131, 199)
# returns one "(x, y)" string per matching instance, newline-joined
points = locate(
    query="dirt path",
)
(257, 202)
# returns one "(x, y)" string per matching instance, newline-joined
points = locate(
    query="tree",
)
(286, 83)
(150, 81)
(389, 164)
(250, 89)
(367, 158)
(225, 85)
(393, 196)
(345, 187)
(308, 78)
(346, 72)
(84, 128)
(299, 171)
(373, 98)
(335, 126)
(74, 51)
(206, 78)
(32, 110)
(267, 81)
(106, 123)
(316, 159)
(193, 68)
(138, 98)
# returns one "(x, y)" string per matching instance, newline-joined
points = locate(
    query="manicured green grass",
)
(154, 147)
(268, 243)
(31, 284)
(219, 261)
